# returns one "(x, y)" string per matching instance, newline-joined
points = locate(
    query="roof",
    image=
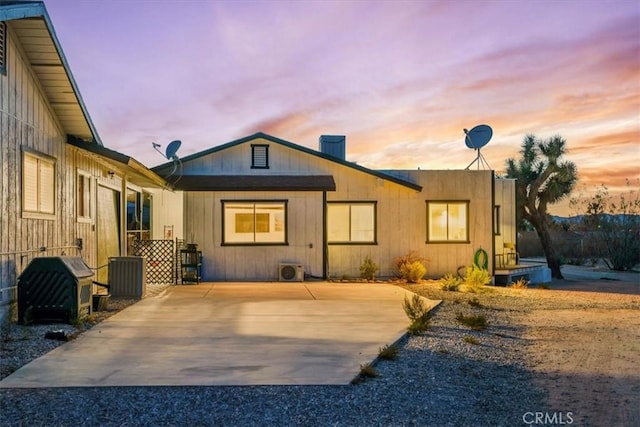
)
(29, 22)
(135, 171)
(163, 168)
(256, 183)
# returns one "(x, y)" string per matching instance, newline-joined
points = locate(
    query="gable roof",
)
(29, 22)
(163, 168)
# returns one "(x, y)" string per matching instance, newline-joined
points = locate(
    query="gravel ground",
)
(449, 376)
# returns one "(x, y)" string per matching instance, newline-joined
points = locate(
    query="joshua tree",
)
(542, 179)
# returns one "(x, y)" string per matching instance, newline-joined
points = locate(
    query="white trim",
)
(44, 192)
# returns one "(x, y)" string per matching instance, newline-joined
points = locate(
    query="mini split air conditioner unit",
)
(288, 272)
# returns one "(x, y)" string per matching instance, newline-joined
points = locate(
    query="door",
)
(108, 224)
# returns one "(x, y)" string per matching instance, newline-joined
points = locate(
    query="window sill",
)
(38, 215)
(452, 242)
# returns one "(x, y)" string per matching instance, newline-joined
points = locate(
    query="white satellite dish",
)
(476, 138)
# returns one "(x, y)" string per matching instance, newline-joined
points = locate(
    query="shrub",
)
(388, 352)
(449, 282)
(368, 269)
(475, 278)
(419, 326)
(418, 312)
(415, 307)
(413, 272)
(520, 284)
(411, 263)
(476, 322)
(474, 302)
(368, 371)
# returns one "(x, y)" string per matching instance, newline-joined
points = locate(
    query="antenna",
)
(475, 139)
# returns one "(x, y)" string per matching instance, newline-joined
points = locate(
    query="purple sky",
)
(399, 79)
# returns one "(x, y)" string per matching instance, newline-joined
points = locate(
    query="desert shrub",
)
(475, 278)
(474, 302)
(369, 269)
(366, 371)
(449, 282)
(477, 322)
(413, 272)
(419, 326)
(388, 352)
(418, 312)
(520, 284)
(402, 265)
(414, 308)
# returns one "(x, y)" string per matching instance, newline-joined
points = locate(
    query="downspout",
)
(325, 245)
(123, 217)
(493, 225)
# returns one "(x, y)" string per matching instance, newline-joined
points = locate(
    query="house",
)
(259, 203)
(63, 192)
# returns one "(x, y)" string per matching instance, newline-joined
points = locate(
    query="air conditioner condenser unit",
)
(290, 272)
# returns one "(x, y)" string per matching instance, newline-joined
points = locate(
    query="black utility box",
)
(55, 289)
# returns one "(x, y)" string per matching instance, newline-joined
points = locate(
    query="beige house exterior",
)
(260, 201)
(62, 192)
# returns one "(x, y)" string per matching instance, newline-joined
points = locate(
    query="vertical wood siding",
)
(401, 216)
(26, 120)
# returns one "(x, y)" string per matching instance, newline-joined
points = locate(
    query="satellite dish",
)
(478, 137)
(172, 149)
(171, 154)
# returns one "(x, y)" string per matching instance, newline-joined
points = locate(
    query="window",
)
(138, 217)
(447, 221)
(259, 156)
(84, 196)
(496, 220)
(254, 222)
(351, 222)
(38, 184)
(3, 47)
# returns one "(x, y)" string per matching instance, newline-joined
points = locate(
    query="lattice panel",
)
(160, 259)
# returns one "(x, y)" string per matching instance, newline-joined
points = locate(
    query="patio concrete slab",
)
(230, 334)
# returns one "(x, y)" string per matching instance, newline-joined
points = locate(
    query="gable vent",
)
(260, 156)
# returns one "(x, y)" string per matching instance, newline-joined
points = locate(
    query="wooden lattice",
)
(161, 259)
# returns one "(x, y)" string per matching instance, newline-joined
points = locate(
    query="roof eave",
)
(143, 175)
(25, 10)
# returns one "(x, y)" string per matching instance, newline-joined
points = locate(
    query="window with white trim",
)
(351, 222)
(259, 156)
(447, 221)
(84, 196)
(38, 183)
(254, 222)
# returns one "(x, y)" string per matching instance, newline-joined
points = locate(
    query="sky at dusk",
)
(401, 79)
